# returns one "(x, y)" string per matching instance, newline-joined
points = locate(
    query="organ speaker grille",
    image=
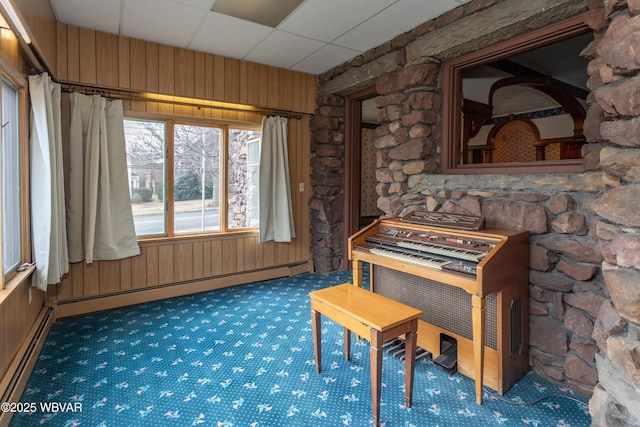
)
(445, 306)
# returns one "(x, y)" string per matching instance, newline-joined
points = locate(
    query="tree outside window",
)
(196, 153)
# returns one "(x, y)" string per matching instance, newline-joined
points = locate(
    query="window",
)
(489, 95)
(189, 178)
(11, 195)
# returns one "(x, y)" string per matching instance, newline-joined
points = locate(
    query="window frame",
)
(8, 72)
(452, 100)
(170, 121)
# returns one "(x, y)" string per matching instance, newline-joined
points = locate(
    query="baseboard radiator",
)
(124, 298)
(17, 375)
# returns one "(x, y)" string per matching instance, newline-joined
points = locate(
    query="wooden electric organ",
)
(471, 284)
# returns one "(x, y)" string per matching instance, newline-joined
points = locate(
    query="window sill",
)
(198, 237)
(15, 282)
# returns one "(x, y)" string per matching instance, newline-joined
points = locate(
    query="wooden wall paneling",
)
(229, 256)
(310, 94)
(199, 81)
(281, 252)
(259, 257)
(216, 257)
(73, 53)
(165, 264)
(263, 88)
(273, 79)
(253, 84)
(152, 69)
(13, 53)
(268, 254)
(209, 79)
(88, 65)
(166, 75)
(18, 313)
(139, 268)
(124, 63)
(106, 46)
(285, 88)
(298, 89)
(64, 289)
(207, 259)
(61, 51)
(153, 265)
(91, 285)
(138, 64)
(182, 262)
(240, 254)
(125, 280)
(184, 69)
(232, 80)
(39, 17)
(219, 81)
(76, 271)
(198, 260)
(109, 276)
(250, 252)
(244, 84)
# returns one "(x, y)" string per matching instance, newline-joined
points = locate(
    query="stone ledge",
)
(557, 183)
(490, 26)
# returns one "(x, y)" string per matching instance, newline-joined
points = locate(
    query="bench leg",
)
(375, 353)
(347, 344)
(317, 341)
(410, 361)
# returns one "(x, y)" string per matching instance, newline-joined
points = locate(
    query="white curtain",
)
(99, 218)
(276, 215)
(47, 183)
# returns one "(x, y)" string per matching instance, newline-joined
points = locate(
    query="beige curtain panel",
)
(276, 213)
(47, 183)
(99, 218)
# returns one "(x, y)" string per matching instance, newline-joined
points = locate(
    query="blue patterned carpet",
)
(243, 356)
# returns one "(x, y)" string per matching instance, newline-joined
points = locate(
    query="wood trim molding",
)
(352, 166)
(452, 100)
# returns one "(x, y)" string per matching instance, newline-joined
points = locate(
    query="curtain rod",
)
(124, 95)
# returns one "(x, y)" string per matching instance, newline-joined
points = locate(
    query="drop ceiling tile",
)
(398, 18)
(162, 21)
(324, 59)
(326, 20)
(95, 14)
(214, 34)
(283, 49)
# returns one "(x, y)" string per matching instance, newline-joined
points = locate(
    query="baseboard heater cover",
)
(95, 303)
(19, 371)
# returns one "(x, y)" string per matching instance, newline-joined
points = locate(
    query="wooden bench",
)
(373, 317)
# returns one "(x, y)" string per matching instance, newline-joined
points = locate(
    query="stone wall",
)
(615, 83)
(584, 278)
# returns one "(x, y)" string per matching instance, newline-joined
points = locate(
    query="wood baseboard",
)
(108, 302)
(15, 379)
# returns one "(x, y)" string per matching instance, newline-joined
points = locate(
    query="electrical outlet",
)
(301, 187)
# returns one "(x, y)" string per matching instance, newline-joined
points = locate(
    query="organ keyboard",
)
(428, 267)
